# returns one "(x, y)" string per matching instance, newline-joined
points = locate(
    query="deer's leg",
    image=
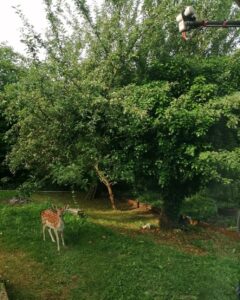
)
(62, 237)
(50, 233)
(43, 231)
(57, 238)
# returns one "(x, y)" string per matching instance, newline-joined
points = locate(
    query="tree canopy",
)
(119, 97)
(11, 68)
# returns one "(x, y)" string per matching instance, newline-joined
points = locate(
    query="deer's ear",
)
(66, 206)
(54, 206)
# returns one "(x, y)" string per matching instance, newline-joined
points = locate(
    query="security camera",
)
(188, 14)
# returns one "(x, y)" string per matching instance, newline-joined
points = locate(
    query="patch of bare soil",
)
(228, 233)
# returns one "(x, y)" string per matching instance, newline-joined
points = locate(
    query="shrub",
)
(199, 206)
(151, 198)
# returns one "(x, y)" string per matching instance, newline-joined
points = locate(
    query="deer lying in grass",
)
(53, 220)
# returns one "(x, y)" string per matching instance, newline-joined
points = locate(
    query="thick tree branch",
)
(103, 178)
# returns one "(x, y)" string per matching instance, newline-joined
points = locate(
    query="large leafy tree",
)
(181, 143)
(113, 101)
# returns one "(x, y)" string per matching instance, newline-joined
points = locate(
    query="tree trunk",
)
(110, 193)
(166, 222)
(169, 217)
(103, 178)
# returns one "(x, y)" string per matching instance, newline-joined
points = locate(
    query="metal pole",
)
(205, 23)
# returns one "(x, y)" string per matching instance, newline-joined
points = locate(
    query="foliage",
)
(111, 97)
(182, 152)
(151, 198)
(26, 189)
(225, 195)
(11, 68)
(199, 207)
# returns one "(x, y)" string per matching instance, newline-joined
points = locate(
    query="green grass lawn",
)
(109, 257)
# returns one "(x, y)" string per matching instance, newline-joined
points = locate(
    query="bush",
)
(151, 198)
(199, 206)
(26, 189)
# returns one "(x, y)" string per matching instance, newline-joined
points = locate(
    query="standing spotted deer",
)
(53, 220)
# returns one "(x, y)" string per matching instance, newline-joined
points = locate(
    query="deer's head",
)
(60, 211)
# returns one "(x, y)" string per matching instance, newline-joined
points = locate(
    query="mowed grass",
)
(109, 257)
